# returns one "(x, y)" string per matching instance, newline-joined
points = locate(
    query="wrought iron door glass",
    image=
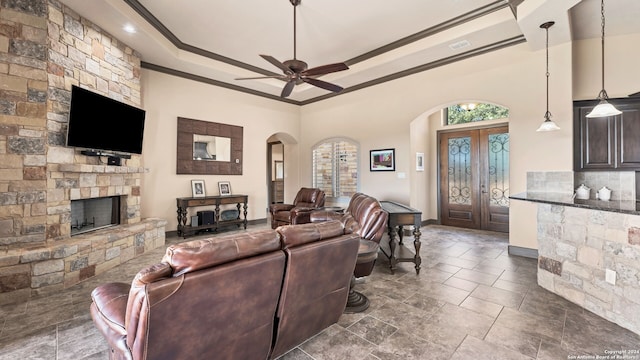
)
(459, 168)
(499, 169)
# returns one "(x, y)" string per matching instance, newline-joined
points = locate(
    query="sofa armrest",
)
(108, 311)
(280, 207)
(301, 210)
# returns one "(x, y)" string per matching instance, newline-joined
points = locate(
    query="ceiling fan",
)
(296, 71)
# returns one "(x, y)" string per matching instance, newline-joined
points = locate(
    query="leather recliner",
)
(307, 200)
(364, 216)
(241, 296)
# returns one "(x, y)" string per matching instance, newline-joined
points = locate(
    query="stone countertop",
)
(621, 206)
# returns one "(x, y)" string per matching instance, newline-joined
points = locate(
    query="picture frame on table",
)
(198, 189)
(419, 161)
(224, 188)
(382, 160)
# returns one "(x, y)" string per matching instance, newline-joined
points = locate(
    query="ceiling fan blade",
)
(288, 88)
(325, 69)
(322, 84)
(263, 77)
(277, 63)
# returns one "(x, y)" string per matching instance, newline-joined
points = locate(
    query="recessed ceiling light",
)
(129, 28)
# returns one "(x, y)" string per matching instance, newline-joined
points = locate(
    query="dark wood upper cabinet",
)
(607, 143)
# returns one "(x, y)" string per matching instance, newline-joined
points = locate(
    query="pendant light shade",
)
(604, 108)
(548, 124)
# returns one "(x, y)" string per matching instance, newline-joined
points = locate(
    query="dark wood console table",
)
(399, 216)
(187, 202)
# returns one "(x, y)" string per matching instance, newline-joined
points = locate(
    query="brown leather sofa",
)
(365, 217)
(307, 200)
(242, 296)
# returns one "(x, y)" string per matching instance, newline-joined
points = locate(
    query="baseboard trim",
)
(524, 252)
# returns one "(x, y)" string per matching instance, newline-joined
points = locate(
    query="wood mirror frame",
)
(185, 164)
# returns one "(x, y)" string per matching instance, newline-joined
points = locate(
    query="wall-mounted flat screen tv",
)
(97, 122)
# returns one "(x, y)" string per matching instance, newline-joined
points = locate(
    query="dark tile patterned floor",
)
(471, 301)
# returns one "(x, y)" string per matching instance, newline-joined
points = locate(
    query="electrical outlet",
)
(610, 276)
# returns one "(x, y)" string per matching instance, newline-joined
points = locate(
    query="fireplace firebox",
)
(95, 213)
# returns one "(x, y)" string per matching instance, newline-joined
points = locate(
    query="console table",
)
(399, 216)
(185, 203)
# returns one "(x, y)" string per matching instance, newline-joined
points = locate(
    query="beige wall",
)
(167, 97)
(622, 73)
(403, 114)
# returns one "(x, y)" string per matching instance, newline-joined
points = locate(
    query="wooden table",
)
(399, 216)
(185, 203)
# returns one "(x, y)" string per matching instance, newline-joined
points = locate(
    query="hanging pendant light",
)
(604, 108)
(548, 124)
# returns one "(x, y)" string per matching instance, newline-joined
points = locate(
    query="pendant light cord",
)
(547, 115)
(603, 93)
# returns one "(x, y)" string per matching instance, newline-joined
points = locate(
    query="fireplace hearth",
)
(95, 213)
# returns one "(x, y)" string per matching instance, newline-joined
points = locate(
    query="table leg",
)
(182, 220)
(392, 249)
(400, 234)
(245, 214)
(416, 243)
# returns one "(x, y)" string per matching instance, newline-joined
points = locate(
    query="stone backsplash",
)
(45, 48)
(621, 183)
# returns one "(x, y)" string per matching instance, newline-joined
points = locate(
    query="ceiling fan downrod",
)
(295, 4)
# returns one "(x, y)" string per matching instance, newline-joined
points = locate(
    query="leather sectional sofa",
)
(253, 295)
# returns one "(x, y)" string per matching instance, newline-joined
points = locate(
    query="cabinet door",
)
(597, 142)
(629, 137)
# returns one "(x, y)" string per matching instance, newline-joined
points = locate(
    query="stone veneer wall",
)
(45, 48)
(576, 246)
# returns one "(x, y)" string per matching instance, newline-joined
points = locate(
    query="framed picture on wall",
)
(419, 161)
(382, 160)
(279, 170)
(197, 188)
(224, 187)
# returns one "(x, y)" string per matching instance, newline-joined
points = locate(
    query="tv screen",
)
(97, 122)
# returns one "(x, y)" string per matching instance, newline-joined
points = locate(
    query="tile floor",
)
(471, 301)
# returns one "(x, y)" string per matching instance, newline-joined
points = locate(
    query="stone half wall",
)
(45, 48)
(577, 245)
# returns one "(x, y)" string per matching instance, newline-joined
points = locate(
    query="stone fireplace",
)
(48, 48)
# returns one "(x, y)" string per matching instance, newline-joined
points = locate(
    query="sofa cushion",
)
(199, 254)
(295, 235)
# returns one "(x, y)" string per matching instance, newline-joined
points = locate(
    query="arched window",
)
(335, 169)
(471, 112)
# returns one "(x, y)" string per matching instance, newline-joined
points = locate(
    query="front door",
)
(474, 178)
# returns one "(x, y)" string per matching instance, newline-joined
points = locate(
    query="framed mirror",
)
(208, 148)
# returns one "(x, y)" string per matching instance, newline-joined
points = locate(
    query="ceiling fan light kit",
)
(296, 71)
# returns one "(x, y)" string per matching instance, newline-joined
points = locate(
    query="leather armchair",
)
(307, 200)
